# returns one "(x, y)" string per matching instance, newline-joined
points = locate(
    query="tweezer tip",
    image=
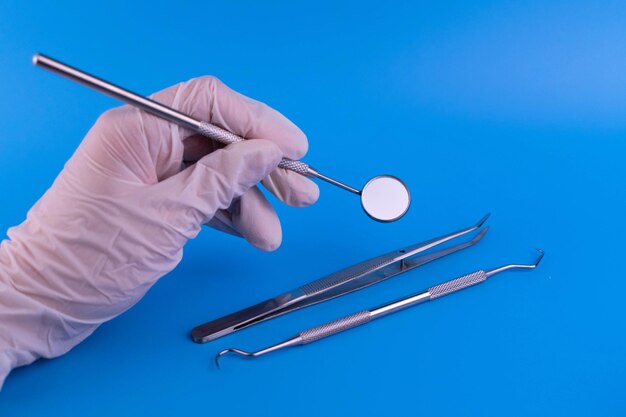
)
(483, 220)
(480, 234)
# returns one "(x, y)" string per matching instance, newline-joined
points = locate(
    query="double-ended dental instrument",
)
(351, 279)
(384, 198)
(365, 316)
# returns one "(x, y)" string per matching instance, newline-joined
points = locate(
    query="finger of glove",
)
(192, 197)
(223, 222)
(252, 217)
(292, 188)
(209, 99)
(255, 218)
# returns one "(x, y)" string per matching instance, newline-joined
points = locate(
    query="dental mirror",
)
(384, 198)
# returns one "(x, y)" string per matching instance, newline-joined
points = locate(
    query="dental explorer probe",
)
(365, 316)
(384, 198)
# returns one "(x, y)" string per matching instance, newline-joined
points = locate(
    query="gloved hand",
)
(118, 215)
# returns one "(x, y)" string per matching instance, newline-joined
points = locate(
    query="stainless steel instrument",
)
(365, 316)
(337, 284)
(384, 198)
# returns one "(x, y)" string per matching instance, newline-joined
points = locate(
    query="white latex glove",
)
(118, 215)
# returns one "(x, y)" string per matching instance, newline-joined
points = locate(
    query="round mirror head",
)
(385, 198)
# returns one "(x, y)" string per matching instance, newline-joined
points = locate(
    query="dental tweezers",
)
(351, 279)
(365, 316)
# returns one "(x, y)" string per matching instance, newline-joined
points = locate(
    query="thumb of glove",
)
(193, 196)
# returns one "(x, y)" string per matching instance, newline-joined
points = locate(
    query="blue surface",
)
(517, 108)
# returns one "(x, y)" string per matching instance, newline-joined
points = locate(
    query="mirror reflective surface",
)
(385, 198)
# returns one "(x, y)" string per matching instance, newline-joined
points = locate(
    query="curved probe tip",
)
(541, 255)
(517, 266)
(230, 350)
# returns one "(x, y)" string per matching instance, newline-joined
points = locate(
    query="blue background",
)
(517, 108)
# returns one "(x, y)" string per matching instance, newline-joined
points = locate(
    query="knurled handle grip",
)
(456, 284)
(295, 166)
(334, 327)
(227, 138)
